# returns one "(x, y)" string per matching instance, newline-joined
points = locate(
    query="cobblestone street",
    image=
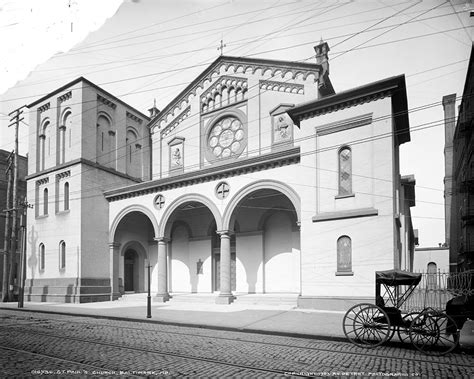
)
(36, 344)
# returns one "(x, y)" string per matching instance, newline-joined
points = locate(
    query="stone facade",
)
(264, 180)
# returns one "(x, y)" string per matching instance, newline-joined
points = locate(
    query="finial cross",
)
(221, 47)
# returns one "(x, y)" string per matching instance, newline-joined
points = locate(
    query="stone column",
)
(162, 295)
(225, 296)
(114, 270)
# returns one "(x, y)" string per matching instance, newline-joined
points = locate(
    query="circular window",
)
(226, 137)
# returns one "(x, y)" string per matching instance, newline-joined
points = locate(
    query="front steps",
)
(274, 299)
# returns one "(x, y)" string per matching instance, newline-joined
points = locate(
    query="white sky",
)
(144, 49)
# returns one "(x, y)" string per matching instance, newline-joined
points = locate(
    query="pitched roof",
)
(214, 68)
(77, 80)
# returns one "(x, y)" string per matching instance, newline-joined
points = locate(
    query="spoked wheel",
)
(404, 330)
(434, 333)
(366, 325)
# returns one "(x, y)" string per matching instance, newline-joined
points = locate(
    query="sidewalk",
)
(271, 319)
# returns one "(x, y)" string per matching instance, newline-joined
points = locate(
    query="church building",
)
(256, 178)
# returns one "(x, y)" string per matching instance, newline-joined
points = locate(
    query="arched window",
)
(63, 130)
(133, 161)
(62, 255)
(431, 275)
(44, 145)
(45, 201)
(345, 171)
(103, 141)
(41, 257)
(344, 254)
(66, 196)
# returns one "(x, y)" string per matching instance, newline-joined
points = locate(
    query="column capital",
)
(223, 233)
(162, 239)
(114, 245)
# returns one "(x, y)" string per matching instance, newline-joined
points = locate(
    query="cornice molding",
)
(65, 97)
(238, 167)
(176, 121)
(348, 123)
(44, 107)
(271, 85)
(81, 161)
(107, 102)
(134, 118)
(42, 181)
(63, 175)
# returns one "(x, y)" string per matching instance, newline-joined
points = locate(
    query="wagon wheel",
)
(404, 330)
(446, 330)
(366, 325)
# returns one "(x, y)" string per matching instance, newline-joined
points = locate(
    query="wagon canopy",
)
(397, 278)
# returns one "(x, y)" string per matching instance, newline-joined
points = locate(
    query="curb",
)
(188, 325)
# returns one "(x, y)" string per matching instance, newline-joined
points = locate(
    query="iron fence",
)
(436, 289)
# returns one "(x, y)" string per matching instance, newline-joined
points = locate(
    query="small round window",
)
(226, 137)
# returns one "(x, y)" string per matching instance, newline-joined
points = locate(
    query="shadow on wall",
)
(32, 259)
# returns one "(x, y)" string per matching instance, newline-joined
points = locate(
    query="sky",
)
(147, 50)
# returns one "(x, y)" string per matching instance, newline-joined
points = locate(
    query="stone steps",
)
(210, 298)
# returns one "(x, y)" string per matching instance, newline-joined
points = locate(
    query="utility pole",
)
(15, 120)
(21, 292)
(6, 241)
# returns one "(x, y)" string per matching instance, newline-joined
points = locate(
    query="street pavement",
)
(34, 344)
(282, 319)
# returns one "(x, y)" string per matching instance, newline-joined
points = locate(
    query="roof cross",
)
(221, 47)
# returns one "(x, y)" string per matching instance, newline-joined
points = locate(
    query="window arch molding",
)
(344, 171)
(105, 115)
(65, 114)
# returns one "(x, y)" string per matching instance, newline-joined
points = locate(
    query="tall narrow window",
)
(344, 255)
(41, 257)
(66, 196)
(62, 255)
(345, 171)
(431, 276)
(45, 201)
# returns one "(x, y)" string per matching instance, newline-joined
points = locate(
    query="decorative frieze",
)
(42, 181)
(65, 97)
(44, 107)
(105, 101)
(63, 175)
(174, 123)
(270, 85)
(134, 118)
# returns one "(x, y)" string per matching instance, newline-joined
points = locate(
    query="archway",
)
(267, 241)
(185, 227)
(133, 245)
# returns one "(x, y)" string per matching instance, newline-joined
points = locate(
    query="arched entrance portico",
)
(264, 216)
(133, 245)
(187, 244)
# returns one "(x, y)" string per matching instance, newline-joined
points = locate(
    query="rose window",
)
(226, 137)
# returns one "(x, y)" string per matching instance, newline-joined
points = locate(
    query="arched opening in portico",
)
(133, 246)
(190, 261)
(267, 241)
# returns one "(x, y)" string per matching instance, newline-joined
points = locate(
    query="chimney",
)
(449, 102)
(154, 110)
(322, 51)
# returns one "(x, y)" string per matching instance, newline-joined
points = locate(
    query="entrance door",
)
(129, 270)
(217, 271)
